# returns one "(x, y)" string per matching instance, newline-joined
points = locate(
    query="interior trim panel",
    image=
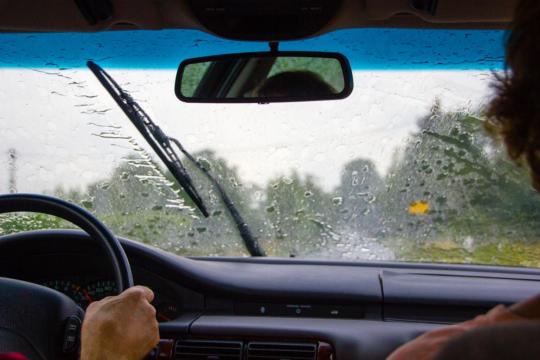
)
(361, 310)
(351, 339)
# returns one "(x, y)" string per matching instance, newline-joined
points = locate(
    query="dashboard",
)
(247, 308)
(76, 269)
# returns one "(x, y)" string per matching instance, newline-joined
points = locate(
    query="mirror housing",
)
(264, 77)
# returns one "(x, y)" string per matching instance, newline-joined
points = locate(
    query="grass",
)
(499, 253)
(175, 233)
(14, 223)
(171, 231)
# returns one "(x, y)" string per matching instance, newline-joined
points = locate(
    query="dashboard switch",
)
(163, 351)
(152, 354)
(325, 351)
(71, 334)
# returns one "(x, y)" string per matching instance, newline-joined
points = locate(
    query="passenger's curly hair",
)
(515, 111)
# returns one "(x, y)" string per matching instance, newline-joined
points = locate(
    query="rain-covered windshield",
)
(401, 170)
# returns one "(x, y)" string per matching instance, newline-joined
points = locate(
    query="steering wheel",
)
(39, 322)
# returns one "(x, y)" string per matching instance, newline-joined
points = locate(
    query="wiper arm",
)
(250, 241)
(161, 144)
(151, 132)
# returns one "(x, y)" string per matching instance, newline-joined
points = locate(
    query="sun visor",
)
(444, 11)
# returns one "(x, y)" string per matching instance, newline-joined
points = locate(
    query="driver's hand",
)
(122, 327)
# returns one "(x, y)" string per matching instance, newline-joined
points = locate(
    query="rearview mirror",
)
(264, 77)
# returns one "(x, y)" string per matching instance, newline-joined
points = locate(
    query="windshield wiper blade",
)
(161, 144)
(152, 133)
(250, 241)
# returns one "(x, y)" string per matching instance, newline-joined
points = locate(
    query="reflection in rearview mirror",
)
(264, 77)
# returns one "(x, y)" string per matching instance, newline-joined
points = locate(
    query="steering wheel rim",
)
(80, 217)
(53, 333)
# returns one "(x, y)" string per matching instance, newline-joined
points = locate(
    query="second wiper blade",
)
(152, 133)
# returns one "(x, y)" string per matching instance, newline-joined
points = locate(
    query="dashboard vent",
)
(281, 351)
(208, 350)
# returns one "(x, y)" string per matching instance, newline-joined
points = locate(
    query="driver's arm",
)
(122, 327)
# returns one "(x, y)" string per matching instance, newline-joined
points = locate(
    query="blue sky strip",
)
(367, 49)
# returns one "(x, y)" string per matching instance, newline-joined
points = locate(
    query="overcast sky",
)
(68, 132)
(54, 118)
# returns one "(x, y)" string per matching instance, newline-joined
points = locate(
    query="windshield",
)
(401, 170)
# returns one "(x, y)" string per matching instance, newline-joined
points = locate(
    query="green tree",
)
(299, 215)
(356, 202)
(473, 195)
(218, 233)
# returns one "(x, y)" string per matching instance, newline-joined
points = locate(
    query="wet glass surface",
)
(401, 170)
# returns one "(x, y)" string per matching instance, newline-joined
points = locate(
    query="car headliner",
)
(64, 15)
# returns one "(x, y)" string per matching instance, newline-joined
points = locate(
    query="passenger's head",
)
(515, 112)
(295, 84)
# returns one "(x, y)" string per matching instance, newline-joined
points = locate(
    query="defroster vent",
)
(208, 350)
(281, 351)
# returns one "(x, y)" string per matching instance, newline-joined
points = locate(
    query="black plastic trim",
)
(95, 11)
(351, 339)
(344, 62)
